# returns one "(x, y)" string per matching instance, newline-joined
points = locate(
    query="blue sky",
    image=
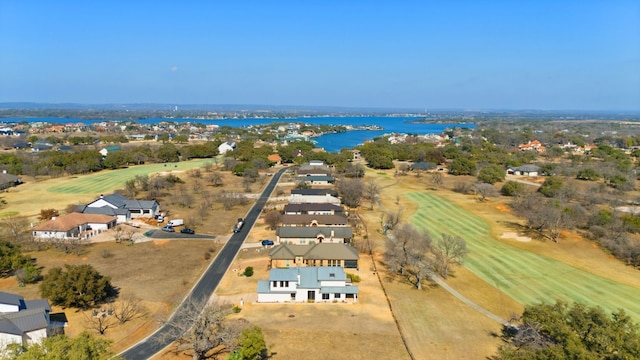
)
(569, 55)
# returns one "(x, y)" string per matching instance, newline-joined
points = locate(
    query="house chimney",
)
(101, 196)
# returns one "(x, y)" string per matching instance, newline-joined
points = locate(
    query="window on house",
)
(286, 284)
(325, 296)
(281, 283)
(275, 284)
(337, 296)
(332, 275)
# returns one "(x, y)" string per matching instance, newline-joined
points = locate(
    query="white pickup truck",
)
(238, 225)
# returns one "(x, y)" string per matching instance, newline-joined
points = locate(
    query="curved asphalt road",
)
(207, 284)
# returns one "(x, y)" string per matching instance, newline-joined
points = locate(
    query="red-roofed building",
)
(532, 145)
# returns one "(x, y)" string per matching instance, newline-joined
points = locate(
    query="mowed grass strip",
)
(526, 277)
(109, 180)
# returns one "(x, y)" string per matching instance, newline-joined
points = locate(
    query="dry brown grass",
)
(160, 273)
(436, 323)
(364, 330)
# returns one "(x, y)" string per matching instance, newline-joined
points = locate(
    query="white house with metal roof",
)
(306, 284)
(121, 207)
(524, 170)
(26, 321)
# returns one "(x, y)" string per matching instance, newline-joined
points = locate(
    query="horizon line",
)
(16, 105)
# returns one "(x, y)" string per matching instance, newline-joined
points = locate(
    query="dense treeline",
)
(582, 191)
(570, 331)
(58, 163)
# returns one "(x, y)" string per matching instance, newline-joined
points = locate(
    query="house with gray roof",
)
(313, 209)
(313, 172)
(8, 180)
(314, 192)
(313, 234)
(314, 199)
(315, 179)
(323, 254)
(121, 207)
(26, 321)
(524, 170)
(313, 220)
(307, 284)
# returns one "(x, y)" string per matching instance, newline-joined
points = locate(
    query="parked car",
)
(267, 242)
(187, 231)
(168, 228)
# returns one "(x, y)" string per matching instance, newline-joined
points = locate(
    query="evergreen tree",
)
(76, 286)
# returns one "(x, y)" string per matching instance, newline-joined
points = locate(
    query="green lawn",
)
(108, 180)
(526, 277)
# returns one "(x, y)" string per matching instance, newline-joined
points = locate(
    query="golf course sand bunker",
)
(514, 235)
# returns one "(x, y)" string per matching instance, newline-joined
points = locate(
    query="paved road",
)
(207, 284)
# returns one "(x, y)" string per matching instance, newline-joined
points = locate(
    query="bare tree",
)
(389, 220)
(142, 182)
(130, 188)
(118, 233)
(437, 179)
(409, 254)
(100, 320)
(484, 190)
(207, 333)
(351, 191)
(229, 199)
(273, 218)
(215, 179)
(129, 235)
(397, 251)
(15, 229)
(371, 190)
(546, 216)
(182, 197)
(129, 307)
(448, 250)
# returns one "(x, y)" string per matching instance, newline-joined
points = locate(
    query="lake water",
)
(330, 142)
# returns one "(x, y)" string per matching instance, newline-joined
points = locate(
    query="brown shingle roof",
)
(70, 221)
(322, 251)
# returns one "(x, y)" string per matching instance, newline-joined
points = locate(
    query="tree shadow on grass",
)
(524, 230)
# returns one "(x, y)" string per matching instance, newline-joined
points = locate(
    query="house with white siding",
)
(121, 207)
(313, 209)
(26, 321)
(324, 254)
(307, 284)
(226, 147)
(73, 226)
(524, 170)
(313, 220)
(302, 235)
(315, 179)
